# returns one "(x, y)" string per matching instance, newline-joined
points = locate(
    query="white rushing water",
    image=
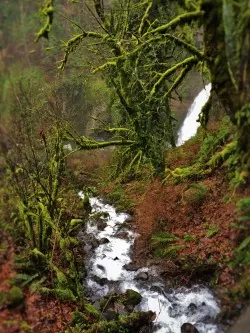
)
(106, 274)
(190, 124)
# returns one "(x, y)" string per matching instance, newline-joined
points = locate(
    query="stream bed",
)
(109, 270)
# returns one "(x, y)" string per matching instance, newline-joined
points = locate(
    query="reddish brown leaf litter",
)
(207, 222)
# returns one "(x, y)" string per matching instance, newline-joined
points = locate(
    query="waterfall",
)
(190, 125)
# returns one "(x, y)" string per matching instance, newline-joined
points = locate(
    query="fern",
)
(24, 279)
(162, 238)
(169, 251)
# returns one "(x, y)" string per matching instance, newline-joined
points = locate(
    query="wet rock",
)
(110, 314)
(191, 309)
(97, 305)
(101, 267)
(123, 235)
(120, 309)
(101, 225)
(146, 329)
(131, 267)
(157, 289)
(104, 241)
(142, 276)
(130, 308)
(129, 219)
(188, 328)
(92, 242)
(173, 310)
(100, 281)
(131, 297)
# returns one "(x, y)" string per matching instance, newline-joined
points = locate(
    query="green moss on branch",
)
(145, 16)
(74, 42)
(188, 61)
(179, 20)
(85, 144)
(48, 12)
(179, 80)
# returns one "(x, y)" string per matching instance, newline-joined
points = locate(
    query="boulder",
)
(101, 225)
(100, 281)
(188, 328)
(131, 267)
(104, 241)
(131, 297)
(191, 309)
(123, 235)
(142, 276)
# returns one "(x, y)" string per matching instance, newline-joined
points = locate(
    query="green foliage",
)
(23, 279)
(219, 157)
(216, 150)
(164, 244)
(195, 193)
(91, 310)
(25, 327)
(36, 165)
(242, 253)
(242, 289)
(162, 237)
(118, 195)
(211, 230)
(142, 105)
(125, 324)
(169, 251)
(65, 295)
(189, 238)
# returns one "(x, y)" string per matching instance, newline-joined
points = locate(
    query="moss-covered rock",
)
(131, 323)
(12, 298)
(131, 297)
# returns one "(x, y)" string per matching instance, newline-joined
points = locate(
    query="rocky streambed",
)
(108, 243)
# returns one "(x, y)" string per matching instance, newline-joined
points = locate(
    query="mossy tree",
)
(138, 75)
(144, 69)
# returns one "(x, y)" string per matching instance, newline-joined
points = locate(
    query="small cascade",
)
(190, 124)
(108, 271)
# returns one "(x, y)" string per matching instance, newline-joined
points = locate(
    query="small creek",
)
(106, 274)
(108, 268)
